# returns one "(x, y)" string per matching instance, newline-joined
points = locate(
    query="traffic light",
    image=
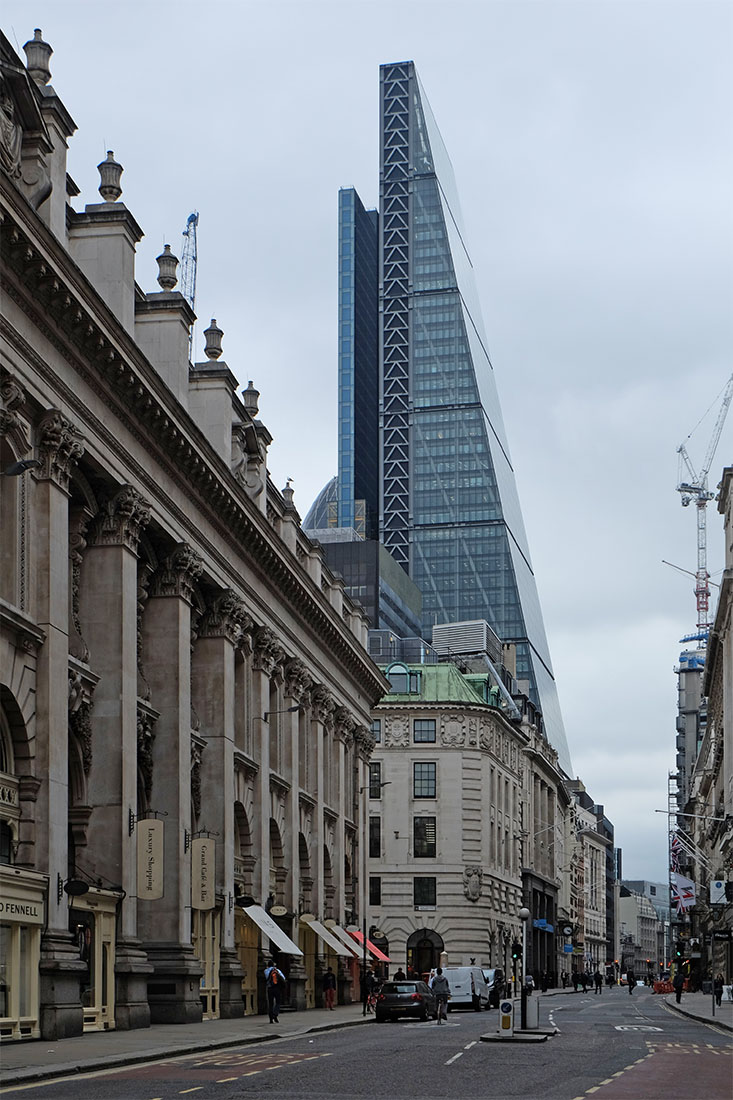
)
(516, 950)
(678, 949)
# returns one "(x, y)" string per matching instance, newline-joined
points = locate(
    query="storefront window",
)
(4, 970)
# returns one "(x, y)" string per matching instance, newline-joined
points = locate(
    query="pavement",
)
(36, 1060)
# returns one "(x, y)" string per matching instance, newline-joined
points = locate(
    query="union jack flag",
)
(683, 892)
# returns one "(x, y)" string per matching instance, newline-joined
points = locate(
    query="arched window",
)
(404, 681)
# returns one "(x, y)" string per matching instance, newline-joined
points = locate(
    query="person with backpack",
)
(274, 982)
(441, 989)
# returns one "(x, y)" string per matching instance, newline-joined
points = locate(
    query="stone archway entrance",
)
(423, 950)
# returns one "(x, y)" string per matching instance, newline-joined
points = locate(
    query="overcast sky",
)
(592, 144)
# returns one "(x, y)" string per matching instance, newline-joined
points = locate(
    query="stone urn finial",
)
(167, 264)
(289, 493)
(110, 172)
(251, 400)
(213, 334)
(38, 54)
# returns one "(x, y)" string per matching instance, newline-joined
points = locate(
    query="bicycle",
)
(442, 999)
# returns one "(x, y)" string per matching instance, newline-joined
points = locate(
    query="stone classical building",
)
(711, 788)
(185, 692)
(446, 800)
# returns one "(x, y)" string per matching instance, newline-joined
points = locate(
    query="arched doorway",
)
(424, 948)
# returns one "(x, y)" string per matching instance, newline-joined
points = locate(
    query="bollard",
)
(506, 1018)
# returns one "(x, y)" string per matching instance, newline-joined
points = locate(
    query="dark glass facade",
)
(358, 366)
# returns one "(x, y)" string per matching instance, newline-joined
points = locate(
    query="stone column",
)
(173, 992)
(322, 707)
(343, 730)
(267, 654)
(212, 687)
(108, 616)
(297, 683)
(60, 447)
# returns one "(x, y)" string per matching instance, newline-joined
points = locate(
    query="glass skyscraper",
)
(437, 464)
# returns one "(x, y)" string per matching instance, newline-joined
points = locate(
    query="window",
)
(423, 891)
(423, 780)
(423, 844)
(375, 890)
(423, 730)
(377, 730)
(404, 681)
(375, 780)
(375, 837)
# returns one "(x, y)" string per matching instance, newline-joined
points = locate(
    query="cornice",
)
(64, 306)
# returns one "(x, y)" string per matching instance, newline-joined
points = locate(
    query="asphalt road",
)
(618, 1046)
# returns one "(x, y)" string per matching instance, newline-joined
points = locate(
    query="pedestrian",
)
(678, 984)
(400, 975)
(274, 982)
(584, 980)
(544, 979)
(441, 989)
(598, 981)
(329, 988)
(431, 978)
(718, 989)
(529, 983)
(370, 987)
(564, 979)
(575, 981)
(631, 980)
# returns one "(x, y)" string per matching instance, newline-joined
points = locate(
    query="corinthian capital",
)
(297, 679)
(364, 741)
(179, 572)
(344, 724)
(323, 704)
(60, 446)
(226, 618)
(267, 653)
(121, 519)
(12, 396)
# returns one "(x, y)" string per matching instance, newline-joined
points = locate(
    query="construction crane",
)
(696, 488)
(188, 268)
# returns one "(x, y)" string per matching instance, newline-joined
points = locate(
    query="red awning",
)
(359, 937)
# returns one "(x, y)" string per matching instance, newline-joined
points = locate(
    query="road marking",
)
(196, 1089)
(454, 1058)
(223, 1080)
(469, 1045)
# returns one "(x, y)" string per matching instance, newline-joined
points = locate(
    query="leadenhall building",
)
(185, 692)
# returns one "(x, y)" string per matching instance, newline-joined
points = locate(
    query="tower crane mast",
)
(696, 488)
(189, 259)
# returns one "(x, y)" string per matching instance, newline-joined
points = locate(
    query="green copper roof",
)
(442, 683)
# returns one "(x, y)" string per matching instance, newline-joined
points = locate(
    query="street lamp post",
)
(524, 916)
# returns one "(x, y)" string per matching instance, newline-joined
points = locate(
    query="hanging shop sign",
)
(149, 859)
(203, 873)
(278, 911)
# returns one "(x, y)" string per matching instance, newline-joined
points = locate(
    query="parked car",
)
(409, 998)
(494, 978)
(468, 988)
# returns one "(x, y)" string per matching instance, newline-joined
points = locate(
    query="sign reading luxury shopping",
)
(149, 859)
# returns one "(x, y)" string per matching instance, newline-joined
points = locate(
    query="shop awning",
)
(331, 941)
(273, 931)
(359, 937)
(344, 936)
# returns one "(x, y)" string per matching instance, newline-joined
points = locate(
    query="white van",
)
(468, 988)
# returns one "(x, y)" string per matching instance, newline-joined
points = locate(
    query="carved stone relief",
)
(145, 739)
(298, 680)
(78, 523)
(472, 881)
(452, 730)
(396, 732)
(196, 752)
(344, 724)
(323, 704)
(80, 717)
